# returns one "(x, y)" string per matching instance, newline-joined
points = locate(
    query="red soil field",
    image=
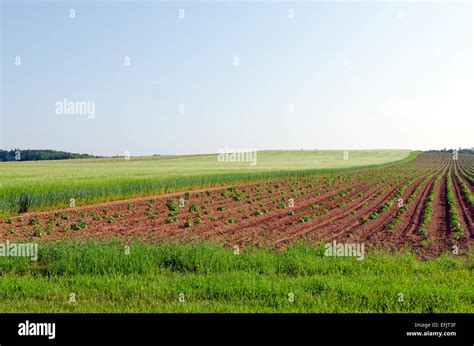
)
(382, 207)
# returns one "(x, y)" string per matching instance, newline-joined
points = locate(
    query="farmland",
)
(424, 205)
(244, 247)
(43, 185)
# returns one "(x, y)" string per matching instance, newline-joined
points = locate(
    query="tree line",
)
(459, 150)
(39, 154)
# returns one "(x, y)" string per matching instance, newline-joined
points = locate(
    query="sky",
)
(228, 74)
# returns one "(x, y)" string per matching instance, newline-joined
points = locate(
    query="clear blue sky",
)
(360, 75)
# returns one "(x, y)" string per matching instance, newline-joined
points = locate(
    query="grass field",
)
(209, 278)
(43, 185)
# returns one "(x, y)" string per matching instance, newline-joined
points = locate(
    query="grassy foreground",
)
(43, 185)
(209, 278)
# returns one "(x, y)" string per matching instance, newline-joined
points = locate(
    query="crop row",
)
(454, 220)
(403, 207)
(425, 219)
(389, 202)
(465, 189)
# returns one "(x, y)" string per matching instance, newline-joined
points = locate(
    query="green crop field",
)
(42, 185)
(204, 277)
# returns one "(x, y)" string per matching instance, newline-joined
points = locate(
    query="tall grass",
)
(211, 278)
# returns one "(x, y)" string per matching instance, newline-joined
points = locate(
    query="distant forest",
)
(39, 154)
(459, 150)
